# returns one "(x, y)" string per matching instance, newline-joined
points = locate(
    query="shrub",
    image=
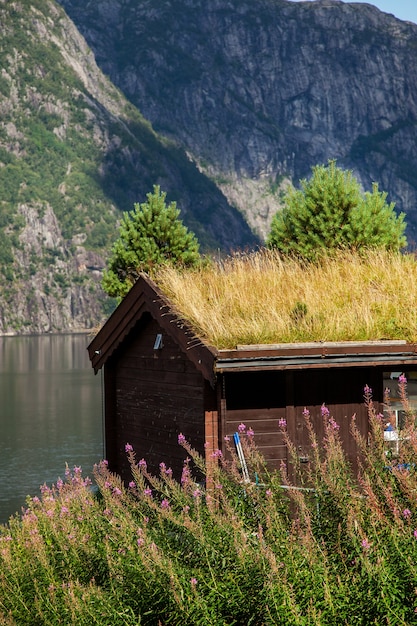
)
(330, 212)
(150, 235)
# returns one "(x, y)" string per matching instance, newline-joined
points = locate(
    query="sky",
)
(403, 9)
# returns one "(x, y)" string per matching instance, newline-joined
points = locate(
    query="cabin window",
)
(255, 390)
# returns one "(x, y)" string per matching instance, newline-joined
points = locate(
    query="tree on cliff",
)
(150, 235)
(331, 212)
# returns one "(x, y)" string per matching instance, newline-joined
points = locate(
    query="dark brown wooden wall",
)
(261, 399)
(342, 391)
(156, 395)
(256, 399)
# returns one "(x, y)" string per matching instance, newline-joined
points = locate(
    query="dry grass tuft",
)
(262, 298)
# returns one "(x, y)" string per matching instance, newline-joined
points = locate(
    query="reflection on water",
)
(50, 414)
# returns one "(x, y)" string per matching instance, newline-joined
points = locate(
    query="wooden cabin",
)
(161, 379)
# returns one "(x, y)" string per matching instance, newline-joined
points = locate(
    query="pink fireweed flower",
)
(406, 513)
(365, 544)
(306, 412)
(333, 424)
(165, 504)
(140, 541)
(186, 474)
(217, 454)
(117, 491)
(132, 484)
(415, 534)
(59, 484)
(142, 465)
(241, 428)
(64, 510)
(219, 486)
(196, 493)
(402, 379)
(268, 493)
(250, 433)
(193, 582)
(282, 423)
(128, 448)
(148, 492)
(324, 411)
(367, 391)
(181, 439)
(165, 470)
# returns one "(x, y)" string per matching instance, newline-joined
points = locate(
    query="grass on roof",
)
(262, 298)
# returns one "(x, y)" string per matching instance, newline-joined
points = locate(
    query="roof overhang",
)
(318, 355)
(145, 297)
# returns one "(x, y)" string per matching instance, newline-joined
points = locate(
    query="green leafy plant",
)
(326, 547)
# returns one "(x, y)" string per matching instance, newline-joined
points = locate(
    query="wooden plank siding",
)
(342, 391)
(261, 399)
(257, 399)
(157, 395)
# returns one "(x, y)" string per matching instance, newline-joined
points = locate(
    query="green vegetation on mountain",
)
(75, 154)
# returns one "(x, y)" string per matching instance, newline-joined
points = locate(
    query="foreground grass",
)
(265, 298)
(162, 551)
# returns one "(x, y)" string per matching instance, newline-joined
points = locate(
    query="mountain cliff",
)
(258, 91)
(74, 153)
(223, 103)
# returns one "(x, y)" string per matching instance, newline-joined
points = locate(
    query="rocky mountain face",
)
(74, 153)
(223, 103)
(258, 91)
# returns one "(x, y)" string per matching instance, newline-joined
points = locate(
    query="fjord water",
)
(50, 414)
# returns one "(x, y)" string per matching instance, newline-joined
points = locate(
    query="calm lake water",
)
(50, 414)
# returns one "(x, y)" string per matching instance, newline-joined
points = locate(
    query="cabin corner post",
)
(110, 417)
(211, 431)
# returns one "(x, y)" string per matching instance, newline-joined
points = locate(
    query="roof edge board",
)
(325, 349)
(235, 365)
(143, 297)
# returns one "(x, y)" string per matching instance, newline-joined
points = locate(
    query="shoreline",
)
(81, 331)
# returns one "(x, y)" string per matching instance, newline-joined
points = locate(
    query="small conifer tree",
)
(330, 212)
(150, 235)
